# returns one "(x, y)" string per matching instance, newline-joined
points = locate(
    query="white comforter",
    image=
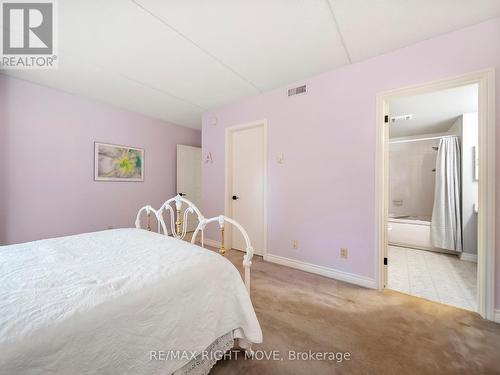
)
(99, 303)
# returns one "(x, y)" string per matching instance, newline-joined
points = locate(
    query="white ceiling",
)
(433, 112)
(175, 59)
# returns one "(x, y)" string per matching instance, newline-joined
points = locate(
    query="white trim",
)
(214, 243)
(497, 316)
(486, 215)
(468, 257)
(210, 242)
(323, 271)
(227, 178)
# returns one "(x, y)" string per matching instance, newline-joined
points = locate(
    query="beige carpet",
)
(384, 332)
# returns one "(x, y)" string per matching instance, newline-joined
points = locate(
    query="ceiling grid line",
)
(337, 26)
(183, 58)
(215, 58)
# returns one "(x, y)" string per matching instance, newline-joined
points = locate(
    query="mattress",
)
(103, 302)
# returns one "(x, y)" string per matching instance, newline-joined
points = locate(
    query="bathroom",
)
(433, 195)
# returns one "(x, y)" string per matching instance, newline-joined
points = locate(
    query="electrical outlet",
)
(343, 252)
(295, 244)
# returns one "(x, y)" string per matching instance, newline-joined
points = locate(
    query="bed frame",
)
(178, 221)
(178, 227)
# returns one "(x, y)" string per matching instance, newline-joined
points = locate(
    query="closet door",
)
(189, 178)
(247, 168)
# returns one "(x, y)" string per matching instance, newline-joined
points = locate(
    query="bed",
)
(122, 301)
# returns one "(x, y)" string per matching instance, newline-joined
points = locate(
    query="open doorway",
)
(433, 196)
(482, 164)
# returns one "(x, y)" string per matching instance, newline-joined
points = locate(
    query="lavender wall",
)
(324, 193)
(46, 163)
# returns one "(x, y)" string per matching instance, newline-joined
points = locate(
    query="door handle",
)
(182, 194)
(235, 197)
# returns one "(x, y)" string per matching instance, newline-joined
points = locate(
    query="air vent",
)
(297, 90)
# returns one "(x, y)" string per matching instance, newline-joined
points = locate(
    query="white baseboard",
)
(468, 257)
(496, 318)
(212, 243)
(323, 271)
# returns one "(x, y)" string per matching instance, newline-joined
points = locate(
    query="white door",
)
(189, 178)
(246, 190)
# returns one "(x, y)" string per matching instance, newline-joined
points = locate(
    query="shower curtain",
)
(446, 224)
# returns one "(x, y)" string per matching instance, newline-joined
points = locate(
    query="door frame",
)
(486, 200)
(228, 177)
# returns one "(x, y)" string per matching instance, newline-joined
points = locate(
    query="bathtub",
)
(411, 231)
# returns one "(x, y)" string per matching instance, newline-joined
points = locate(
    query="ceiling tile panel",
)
(123, 37)
(374, 27)
(271, 43)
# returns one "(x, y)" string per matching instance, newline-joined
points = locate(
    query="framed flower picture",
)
(118, 163)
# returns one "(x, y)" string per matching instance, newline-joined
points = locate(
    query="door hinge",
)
(386, 119)
(385, 261)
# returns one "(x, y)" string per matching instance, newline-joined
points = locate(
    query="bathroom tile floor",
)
(437, 277)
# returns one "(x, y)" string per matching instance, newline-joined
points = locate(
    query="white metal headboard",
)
(179, 227)
(247, 258)
(148, 210)
(178, 222)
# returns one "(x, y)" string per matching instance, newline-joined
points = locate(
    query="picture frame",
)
(114, 162)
